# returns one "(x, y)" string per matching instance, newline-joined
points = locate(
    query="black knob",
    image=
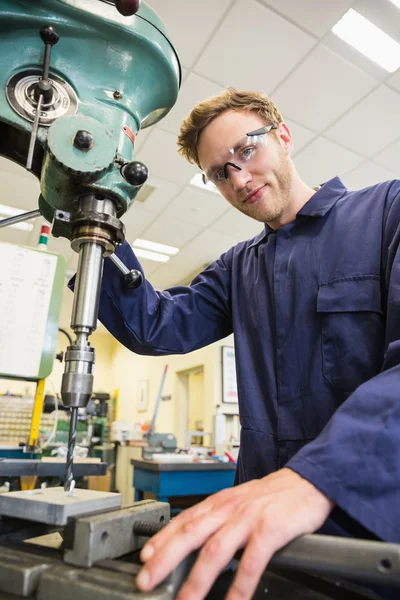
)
(83, 140)
(44, 88)
(135, 173)
(49, 35)
(127, 7)
(133, 279)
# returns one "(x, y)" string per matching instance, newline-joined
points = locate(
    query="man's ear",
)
(285, 138)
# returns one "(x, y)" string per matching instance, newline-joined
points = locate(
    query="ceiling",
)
(344, 113)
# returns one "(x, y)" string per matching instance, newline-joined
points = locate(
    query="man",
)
(314, 303)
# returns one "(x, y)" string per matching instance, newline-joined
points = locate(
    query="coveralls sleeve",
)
(177, 320)
(355, 461)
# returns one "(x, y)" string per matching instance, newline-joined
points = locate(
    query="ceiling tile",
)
(321, 89)
(149, 266)
(250, 50)
(141, 138)
(317, 16)
(355, 57)
(159, 198)
(382, 13)
(171, 231)
(301, 135)
(189, 24)
(160, 154)
(198, 207)
(365, 175)
(394, 80)
(136, 220)
(322, 159)
(165, 277)
(203, 249)
(238, 226)
(194, 89)
(371, 125)
(389, 158)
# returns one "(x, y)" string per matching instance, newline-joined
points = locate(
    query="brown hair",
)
(207, 110)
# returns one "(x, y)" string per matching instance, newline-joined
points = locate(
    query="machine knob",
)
(49, 35)
(127, 7)
(83, 140)
(135, 173)
(133, 279)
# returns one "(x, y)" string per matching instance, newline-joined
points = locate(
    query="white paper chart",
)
(26, 284)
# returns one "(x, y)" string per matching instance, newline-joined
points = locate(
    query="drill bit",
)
(68, 481)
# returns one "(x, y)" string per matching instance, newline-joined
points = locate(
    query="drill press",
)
(80, 79)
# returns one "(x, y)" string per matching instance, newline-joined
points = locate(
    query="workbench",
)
(169, 479)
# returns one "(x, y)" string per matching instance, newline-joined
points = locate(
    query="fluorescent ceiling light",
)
(150, 255)
(197, 180)
(10, 211)
(368, 39)
(147, 245)
(396, 3)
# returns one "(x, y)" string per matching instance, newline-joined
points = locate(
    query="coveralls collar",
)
(317, 206)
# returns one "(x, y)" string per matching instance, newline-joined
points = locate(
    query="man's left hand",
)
(261, 516)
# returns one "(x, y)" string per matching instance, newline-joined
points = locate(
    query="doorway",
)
(190, 413)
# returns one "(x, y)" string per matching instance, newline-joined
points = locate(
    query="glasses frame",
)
(261, 131)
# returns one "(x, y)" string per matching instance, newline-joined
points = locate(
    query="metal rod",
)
(35, 126)
(46, 62)
(118, 263)
(363, 560)
(157, 405)
(87, 287)
(147, 528)
(71, 447)
(19, 218)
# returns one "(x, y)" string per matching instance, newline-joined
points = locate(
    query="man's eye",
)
(219, 175)
(247, 152)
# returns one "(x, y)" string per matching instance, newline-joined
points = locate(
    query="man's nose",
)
(239, 179)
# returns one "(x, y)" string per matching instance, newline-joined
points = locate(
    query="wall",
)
(129, 369)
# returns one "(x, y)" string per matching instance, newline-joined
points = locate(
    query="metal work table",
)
(17, 467)
(180, 479)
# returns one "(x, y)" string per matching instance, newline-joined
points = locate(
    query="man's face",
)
(262, 188)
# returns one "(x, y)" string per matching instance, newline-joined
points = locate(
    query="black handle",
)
(127, 7)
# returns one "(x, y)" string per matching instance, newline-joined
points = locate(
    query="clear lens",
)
(241, 153)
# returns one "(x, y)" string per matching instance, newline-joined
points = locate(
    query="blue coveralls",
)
(315, 309)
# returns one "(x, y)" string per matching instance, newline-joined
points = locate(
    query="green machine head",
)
(97, 77)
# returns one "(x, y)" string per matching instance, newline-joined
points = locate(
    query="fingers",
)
(194, 513)
(215, 555)
(225, 500)
(261, 547)
(166, 555)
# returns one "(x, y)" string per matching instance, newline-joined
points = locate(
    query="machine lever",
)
(133, 278)
(32, 214)
(43, 90)
(355, 559)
